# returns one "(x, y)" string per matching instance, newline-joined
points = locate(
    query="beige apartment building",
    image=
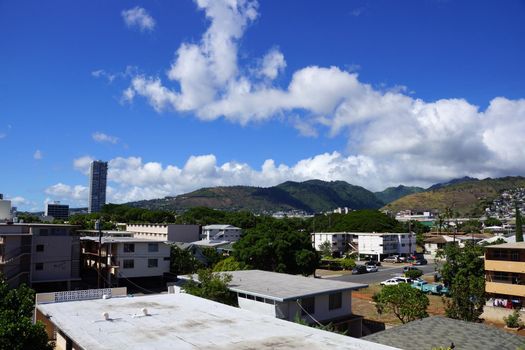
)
(505, 279)
(43, 256)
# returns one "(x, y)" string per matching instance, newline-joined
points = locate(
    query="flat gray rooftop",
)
(437, 331)
(282, 286)
(106, 239)
(183, 321)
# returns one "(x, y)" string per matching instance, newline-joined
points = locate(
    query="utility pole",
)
(98, 227)
(410, 238)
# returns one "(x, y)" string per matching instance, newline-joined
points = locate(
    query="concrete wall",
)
(184, 233)
(140, 257)
(56, 258)
(496, 314)
(257, 306)
(231, 234)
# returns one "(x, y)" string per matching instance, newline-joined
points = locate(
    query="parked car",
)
(392, 259)
(359, 269)
(395, 281)
(431, 288)
(371, 268)
(409, 268)
(373, 263)
(421, 262)
(390, 282)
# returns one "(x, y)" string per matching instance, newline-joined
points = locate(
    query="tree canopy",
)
(463, 272)
(212, 286)
(17, 330)
(405, 302)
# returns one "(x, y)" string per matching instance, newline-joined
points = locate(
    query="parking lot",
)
(385, 272)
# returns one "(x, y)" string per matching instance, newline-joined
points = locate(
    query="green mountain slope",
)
(311, 196)
(466, 197)
(393, 193)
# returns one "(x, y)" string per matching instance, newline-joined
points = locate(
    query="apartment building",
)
(110, 319)
(5, 209)
(57, 210)
(98, 174)
(166, 232)
(505, 279)
(123, 258)
(371, 244)
(43, 256)
(227, 233)
(340, 242)
(289, 297)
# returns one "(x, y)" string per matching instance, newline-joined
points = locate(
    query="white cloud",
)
(138, 17)
(38, 155)
(73, 195)
(101, 137)
(272, 64)
(83, 164)
(101, 73)
(396, 137)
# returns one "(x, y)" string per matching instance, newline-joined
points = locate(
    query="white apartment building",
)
(340, 242)
(370, 244)
(40, 255)
(5, 209)
(381, 245)
(126, 257)
(165, 232)
(227, 233)
(287, 296)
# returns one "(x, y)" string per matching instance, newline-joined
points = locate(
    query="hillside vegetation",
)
(464, 197)
(311, 196)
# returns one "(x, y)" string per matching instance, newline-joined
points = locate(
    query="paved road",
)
(384, 273)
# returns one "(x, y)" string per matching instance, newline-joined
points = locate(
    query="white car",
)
(371, 268)
(390, 282)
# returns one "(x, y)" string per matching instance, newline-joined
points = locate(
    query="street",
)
(384, 273)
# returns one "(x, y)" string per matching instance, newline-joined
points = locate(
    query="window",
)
(39, 266)
(335, 301)
(153, 247)
(129, 264)
(515, 255)
(129, 248)
(259, 299)
(308, 306)
(167, 258)
(153, 263)
(39, 247)
(402, 244)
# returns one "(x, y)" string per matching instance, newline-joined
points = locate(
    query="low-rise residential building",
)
(289, 297)
(381, 245)
(367, 244)
(436, 243)
(166, 232)
(341, 242)
(438, 332)
(112, 320)
(505, 279)
(43, 256)
(125, 257)
(227, 233)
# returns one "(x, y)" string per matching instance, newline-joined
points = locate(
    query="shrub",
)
(414, 273)
(513, 320)
(347, 263)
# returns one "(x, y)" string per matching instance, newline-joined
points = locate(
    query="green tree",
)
(463, 272)
(229, 264)
(347, 263)
(414, 274)
(405, 302)
(17, 330)
(276, 245)
(212, 286)
(325, 249)
(519, 225)
(492, 222)
(182, 261)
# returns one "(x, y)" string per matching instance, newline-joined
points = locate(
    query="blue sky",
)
(183, 94)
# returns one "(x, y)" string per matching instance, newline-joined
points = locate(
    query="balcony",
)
(505, 266)
(505, 288)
